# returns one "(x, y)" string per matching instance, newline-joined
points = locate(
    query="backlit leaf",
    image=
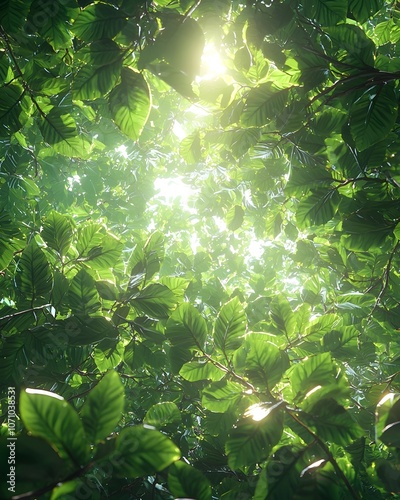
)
(98, 21)
(99, 420)
(230, 326)
(186, 327)
(162, 414)
(130, 103)
(59, 131)
(373, 116)
(82, 294)
(49, 416)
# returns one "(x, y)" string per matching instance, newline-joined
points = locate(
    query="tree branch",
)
(26, 311)
(330, 457)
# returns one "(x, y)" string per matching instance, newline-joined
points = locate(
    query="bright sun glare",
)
(172, 188)
(211, 64)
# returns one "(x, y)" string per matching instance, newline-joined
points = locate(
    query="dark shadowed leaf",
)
(185, 481)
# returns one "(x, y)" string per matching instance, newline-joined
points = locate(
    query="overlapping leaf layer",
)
(199, 249)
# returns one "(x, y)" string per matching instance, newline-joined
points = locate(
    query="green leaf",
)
(391, 435)
(87, 330)
(49, 416)
(333, 423)
(142, 451)
(263, 103)
(99, 251)
(186, 328)
(99, 419)
(59, 131)
(387, 413)
(12, 355)
(82, 294)
(130, 103)
(180, 43)
(282, 316)
(281, 476)
(97, 21)
(162, 414)
(190, 148)
(193, 371)
(103, 53)
(316, 371)
(221, 396)
(52, 22)
(373, 115)
(388, 473)
(89, 236)
(13, 14)
(230, 326)
(184, 481)
(35, 275)
(234, 217)
(252, 440)
(93, 82)
(356, 48)
(155, 301)
(365, 229)
(57, 232)
(261, 361)
(11, 111)
(108, 354)
(364, 9)
(318, 208)
(326, 12)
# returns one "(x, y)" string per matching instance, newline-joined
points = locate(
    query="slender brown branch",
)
(26, 311)
(385, 278)
(330, 457)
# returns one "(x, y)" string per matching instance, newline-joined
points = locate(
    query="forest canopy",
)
(199, 249)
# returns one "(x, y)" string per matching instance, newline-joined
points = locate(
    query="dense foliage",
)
(199, 249)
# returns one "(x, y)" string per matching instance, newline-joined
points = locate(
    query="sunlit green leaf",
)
(186, 327)
(221, 396)
(373, 115)
(57, 232)
(193, 371)
(230, 326)
(49, 416)
(59, 131)
(155, 300)
(263, 103)
(97, 21)
(162, 414)
(99, 420)
(130, 103)
(252, 440)
(82, 294)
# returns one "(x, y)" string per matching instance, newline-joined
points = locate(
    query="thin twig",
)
(328, 454)
(26, 311)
